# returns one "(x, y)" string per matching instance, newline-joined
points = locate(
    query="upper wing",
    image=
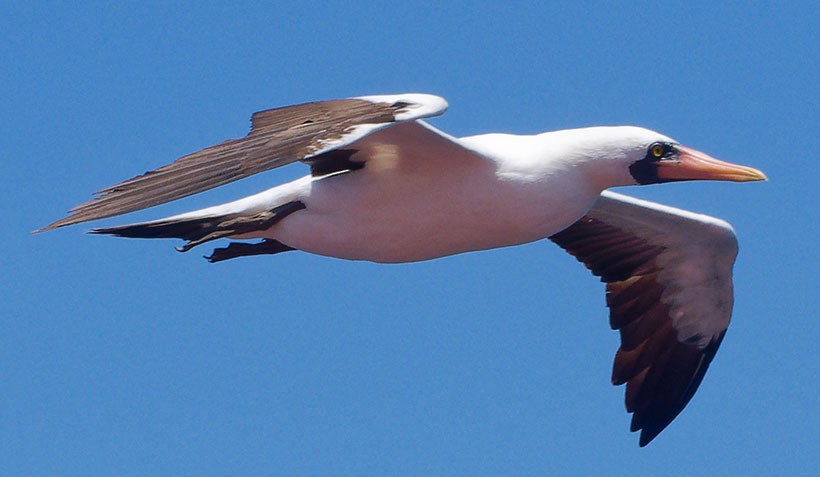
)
(669, 290)
(277, 137)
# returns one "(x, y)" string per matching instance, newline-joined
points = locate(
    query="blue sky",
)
(124, 357)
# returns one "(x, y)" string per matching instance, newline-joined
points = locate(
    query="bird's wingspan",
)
(277, 137)
(669, 290)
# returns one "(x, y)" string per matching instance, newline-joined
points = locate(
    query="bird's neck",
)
(536, 182)
(554, 158)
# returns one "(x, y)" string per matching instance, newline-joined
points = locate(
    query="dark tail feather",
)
(197, 231)
(187, 229)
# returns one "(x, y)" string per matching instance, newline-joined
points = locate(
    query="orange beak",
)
(692, 165)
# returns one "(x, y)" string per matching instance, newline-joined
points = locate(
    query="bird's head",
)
(641, 156)
(657, 159)
(664, 160)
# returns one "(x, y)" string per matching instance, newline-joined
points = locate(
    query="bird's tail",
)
(197, 230)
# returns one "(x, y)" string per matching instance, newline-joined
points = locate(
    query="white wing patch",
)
(418, 105)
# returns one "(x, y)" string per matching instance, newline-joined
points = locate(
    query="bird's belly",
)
(368, 217)
(393, 236)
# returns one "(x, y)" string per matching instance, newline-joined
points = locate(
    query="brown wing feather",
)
(277, 137)
(661, 373)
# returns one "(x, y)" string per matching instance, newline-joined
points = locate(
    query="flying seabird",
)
(385, 186)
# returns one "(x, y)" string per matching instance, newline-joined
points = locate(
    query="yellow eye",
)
(657, 150)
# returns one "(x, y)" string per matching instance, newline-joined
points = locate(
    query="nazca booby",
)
(386, 186)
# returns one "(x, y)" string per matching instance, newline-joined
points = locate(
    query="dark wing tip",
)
(676, 389)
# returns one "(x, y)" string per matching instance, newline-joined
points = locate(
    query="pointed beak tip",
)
(754, 175)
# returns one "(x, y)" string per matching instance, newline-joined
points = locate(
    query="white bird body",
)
(387, 187)
(448, 196)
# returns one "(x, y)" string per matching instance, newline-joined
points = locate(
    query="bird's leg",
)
(244, 249)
